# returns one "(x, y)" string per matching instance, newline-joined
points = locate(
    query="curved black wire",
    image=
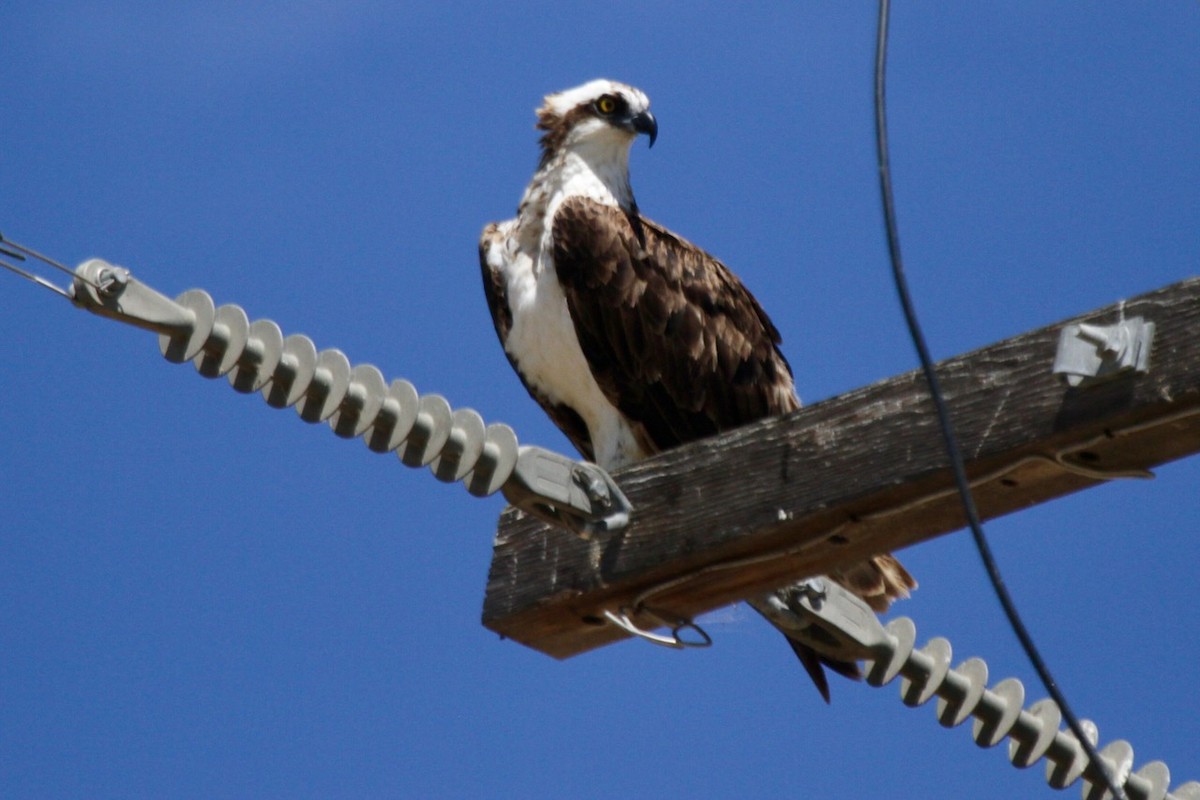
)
(939, 402)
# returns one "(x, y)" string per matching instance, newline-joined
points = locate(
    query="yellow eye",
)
(606, 105)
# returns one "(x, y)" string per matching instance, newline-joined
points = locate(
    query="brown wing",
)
(675, 340)
(496, 292)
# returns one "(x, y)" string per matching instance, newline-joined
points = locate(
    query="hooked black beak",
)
(647, 124)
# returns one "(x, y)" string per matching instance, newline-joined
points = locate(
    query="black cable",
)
(939, 402)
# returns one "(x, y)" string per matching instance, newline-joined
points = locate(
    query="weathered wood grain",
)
(854, 475)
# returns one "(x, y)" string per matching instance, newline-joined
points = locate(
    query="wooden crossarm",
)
(862, 473)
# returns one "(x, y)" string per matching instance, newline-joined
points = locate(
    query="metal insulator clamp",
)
(829, 619)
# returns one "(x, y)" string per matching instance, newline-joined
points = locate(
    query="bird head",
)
(599, 113)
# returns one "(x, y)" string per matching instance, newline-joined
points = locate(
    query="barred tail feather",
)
(878, 581)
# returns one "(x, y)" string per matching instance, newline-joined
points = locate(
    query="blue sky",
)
(204, 597)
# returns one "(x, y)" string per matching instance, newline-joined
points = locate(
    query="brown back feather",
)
(676, 341)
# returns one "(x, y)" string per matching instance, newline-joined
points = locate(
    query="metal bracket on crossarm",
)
(356, 400)
(1088, 353)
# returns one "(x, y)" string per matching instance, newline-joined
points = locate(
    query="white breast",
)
(542, 341)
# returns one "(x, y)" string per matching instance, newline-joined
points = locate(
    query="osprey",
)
(630, 337)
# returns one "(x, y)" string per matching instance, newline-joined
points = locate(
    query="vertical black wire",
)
(948, 436)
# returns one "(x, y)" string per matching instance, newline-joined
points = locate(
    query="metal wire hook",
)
(677, 625)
